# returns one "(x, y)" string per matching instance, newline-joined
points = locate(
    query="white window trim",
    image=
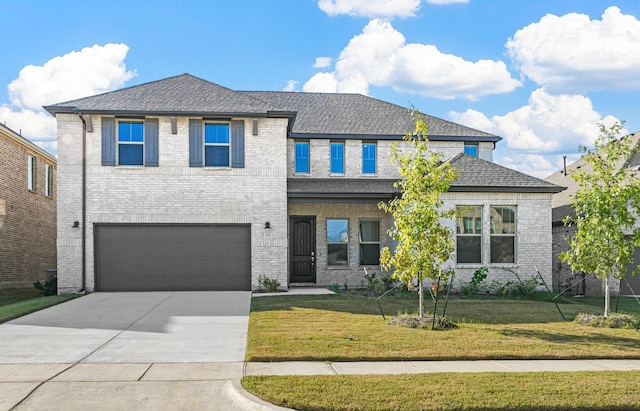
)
(334, 173)
(514, 234)
(481, 235)
(31, 173)
(48, 180)
(205, 145)
(118, 142)
(340, 243)
(360, 241)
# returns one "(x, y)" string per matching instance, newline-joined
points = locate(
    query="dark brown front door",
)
(303, 250)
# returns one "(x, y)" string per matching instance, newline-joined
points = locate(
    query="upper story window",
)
(217, 147)
(48, 180)
(503, 234)
(130, 143)
(471, 149)
(369, 158)
(302, 157)
(337, 158)
(337, 242)
(31, 173)
(469, 235)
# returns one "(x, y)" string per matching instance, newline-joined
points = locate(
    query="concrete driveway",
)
(114, 351)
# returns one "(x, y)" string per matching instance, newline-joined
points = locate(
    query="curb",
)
(247, 401)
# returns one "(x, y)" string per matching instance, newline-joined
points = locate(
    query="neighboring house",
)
(564, 280)
(192, 186)
(27, 211)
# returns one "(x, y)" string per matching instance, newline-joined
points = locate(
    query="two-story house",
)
(181, 184)
(27, 211)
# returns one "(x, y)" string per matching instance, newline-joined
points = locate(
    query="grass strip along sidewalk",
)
(15, 303)
(349, 327)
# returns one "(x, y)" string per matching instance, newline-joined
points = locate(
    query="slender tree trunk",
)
(607, 297)
(421, 299)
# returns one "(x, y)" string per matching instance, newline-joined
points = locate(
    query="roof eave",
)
(506, 189)
(168, 113)
(312, 136)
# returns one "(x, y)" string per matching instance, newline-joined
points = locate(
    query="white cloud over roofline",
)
(380, 56)
(77, 74)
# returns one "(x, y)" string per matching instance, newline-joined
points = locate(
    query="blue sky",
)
(541, 74)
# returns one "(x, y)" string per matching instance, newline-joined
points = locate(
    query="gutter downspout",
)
(84, 204)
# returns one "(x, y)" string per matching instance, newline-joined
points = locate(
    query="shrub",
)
(378, 284)
(426, 323)
(516, 289)
(477, 282)
(50, 286)
(612, 321)
(270, 284)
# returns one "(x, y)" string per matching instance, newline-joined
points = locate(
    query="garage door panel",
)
(150, 257)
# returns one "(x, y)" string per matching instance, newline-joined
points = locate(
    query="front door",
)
(303, 250)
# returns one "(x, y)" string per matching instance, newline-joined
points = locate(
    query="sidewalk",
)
(420, 367)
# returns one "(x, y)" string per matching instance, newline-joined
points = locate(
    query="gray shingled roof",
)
(316, 114)
(481, 175)
(476, 175)
(354, 114)
(183, 94)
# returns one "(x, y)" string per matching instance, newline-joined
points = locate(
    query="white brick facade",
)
(173, 193)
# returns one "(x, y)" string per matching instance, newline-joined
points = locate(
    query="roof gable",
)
(356, 115)
(183, 94)
(336, 115)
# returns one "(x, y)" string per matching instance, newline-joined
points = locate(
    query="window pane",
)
(337, 231)
(216, 156)
(302, 157)
(216, 134)
(469, 220)
(369, 254)
(129, 131)
(471, 150)
(337, 158)
(337, 254)
(368, 158)
(31, 168)
(469, 249)
(502, 249)
(503, 220)
(130, 154)
(370, 230)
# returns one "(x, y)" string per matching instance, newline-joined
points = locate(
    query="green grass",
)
(15, 302)
(349, 327)
(452, 391)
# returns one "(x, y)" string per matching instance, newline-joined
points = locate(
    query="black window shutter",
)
(195, 143)
(151, 142)
(237, 144)
(108, 141)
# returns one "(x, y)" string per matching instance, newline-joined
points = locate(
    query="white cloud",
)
(33, 125)
(538, 134)
(370, 8)
(291, 85)
(573, 52)
(381, 56)
(444, 2)
(77, 74)
(322, 62)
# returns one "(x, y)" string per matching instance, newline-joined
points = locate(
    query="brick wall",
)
(173, 193)
(319, 157)
(27, 218)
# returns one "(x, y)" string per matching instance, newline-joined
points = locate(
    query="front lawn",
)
(349, 327)
(451, 391)
(17, 302)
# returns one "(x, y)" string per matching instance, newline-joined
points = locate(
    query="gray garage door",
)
(172, 257)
